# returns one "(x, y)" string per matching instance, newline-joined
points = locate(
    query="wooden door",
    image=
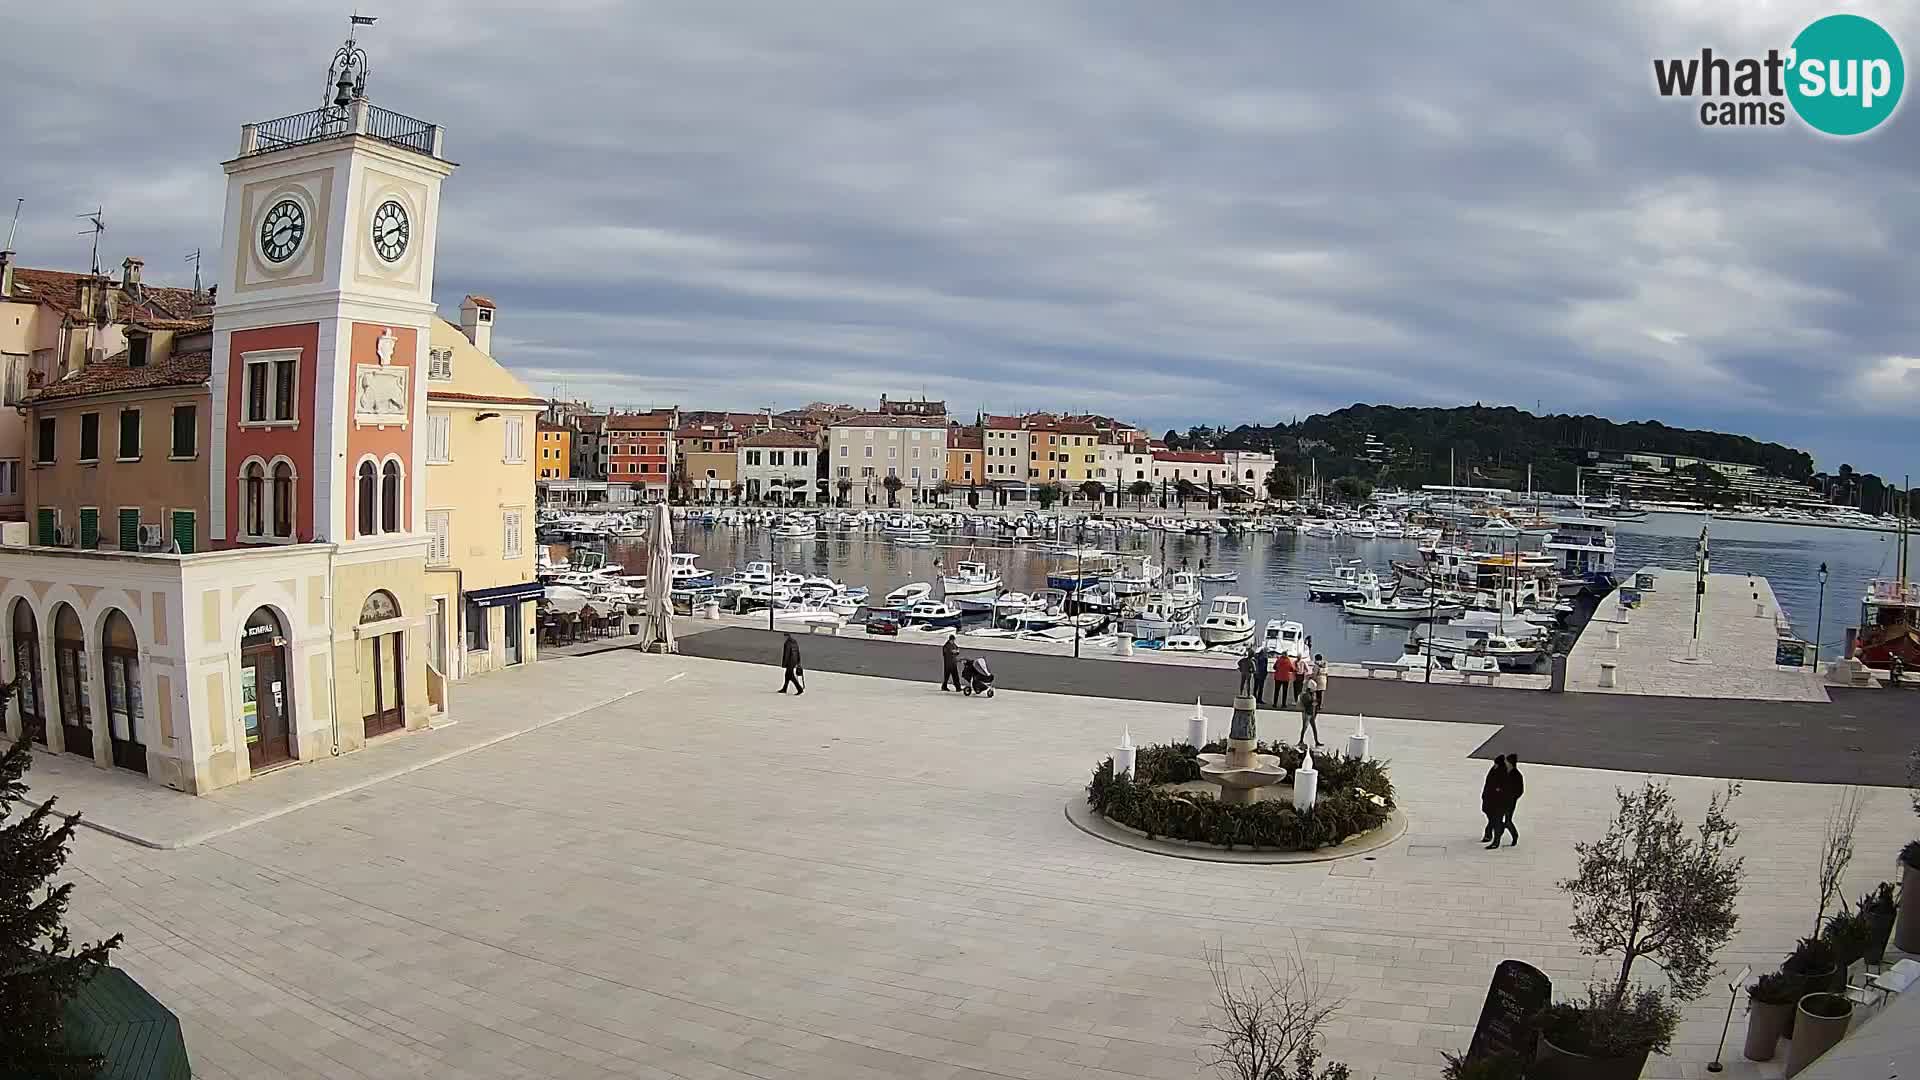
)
(263, 704)
(26, 666)
(382, 686)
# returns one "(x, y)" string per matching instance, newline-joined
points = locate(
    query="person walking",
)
(1512, 786)
(790, 662)
(1491, 793)
(1301, 667)
(1309, 715)
(1319, 682)
(950, 662)
(1260, 658)
(1282, 679)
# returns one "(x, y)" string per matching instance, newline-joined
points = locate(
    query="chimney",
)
(476, 321)
(130, 273)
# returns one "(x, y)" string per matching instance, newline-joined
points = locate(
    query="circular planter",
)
(1553, 1063)
(1881, 923)
(1815, 1034)
(1906, 928)
(1767, 1024)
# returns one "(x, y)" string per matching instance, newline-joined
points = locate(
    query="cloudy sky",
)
(1208, 212)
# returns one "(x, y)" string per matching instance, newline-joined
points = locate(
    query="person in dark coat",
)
(790, 661)
(950, 662)
(1491, 793)
(1511, 788)
(1260, 675)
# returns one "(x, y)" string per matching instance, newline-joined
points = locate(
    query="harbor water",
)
(1273, 569)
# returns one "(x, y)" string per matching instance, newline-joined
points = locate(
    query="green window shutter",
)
(129, 530)
(183, 530)
(89, 528)
(49, 525)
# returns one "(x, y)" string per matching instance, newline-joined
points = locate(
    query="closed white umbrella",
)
(659, 623)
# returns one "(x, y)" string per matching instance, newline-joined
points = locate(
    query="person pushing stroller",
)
(975, 678)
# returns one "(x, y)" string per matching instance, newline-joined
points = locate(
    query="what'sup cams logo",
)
(1842, 76)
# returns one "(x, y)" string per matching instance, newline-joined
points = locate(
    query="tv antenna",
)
(96, 225)
(194, 258)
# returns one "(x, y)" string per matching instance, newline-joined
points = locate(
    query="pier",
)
(1650, 647)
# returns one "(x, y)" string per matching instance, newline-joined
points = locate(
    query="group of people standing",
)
(1499, 796)
(1305, 678)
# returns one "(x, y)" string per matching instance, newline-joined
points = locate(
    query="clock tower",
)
(320, 338)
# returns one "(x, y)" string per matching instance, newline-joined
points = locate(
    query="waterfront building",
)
(1205, 469)
(53, 324)
(1008, 448)
(912, 407)
(302, 630)
(553, 449)
(709, 462)
(640, 451)
(481, 468)
(778, 467)
(966, 457)
(867, 449)
(1121, 466)
(1248, 471)
(589, 446)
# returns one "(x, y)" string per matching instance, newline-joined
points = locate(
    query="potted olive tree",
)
(1906, 929)
(1770, 1002)
(1879, 908)
(1651, 889)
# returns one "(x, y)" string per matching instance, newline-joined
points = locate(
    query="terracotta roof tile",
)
(112, 375)
(878, 420)
(1191, 457)
(152, 306)
(778, 439)
(640, 422)
(478, 301)
(965, 438)
(483, 399)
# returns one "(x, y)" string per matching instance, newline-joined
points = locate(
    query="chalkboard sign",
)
(1517, 994)
(1788, 652)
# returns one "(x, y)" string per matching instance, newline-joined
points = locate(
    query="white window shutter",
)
(439, 525)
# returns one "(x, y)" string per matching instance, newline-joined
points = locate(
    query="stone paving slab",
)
(871, 880)
(1735, 650)
(484, 710)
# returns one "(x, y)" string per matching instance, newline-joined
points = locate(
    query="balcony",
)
(360, 118)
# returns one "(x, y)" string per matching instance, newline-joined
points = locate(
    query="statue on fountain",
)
(1249, 677)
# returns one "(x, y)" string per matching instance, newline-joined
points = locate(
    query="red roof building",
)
(640, 450)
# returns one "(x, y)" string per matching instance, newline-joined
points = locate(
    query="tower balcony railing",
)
(361, 117)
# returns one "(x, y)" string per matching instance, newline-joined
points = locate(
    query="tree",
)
(1836, 851)
(1268, 1019)
(1185, 489)
(1094, 490)
(1282, 482)
(1648, 890)
(1352, 489)
(893, 485)
(40, 969)
(1048, 494)
(1140, 489)
(845, 485)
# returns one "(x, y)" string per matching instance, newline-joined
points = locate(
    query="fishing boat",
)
(931, 613)
(1186, 643)
(1162, 613)
(1184, 590)
(969, 578)
(1510, 653)
(1347, 582)
(1227, 621)
(1890, 615)
(1284, 636)
(1219, 577)
(1372, 607)
(907, 595)
(913, 539)
(1136, 577)
(756, 573)
(797, 527)
(1007, 605)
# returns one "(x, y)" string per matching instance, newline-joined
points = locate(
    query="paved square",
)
(708, 879)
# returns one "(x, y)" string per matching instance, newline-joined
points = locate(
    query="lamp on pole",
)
(1079, 567)
(772, 570)
(1433, 609)
(1819, 618)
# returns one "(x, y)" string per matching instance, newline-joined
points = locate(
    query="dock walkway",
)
(1735, 653)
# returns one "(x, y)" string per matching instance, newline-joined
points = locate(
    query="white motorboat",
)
(1007, 605)
(1162, 613)
(796, 528)
(1220, 577)
(931, 613)
(969, 578)
(819, 586)
(756, 573)
(1317, 528)
(1187, 643)
(1227, 621)
(1510, 653)
(907, 595)
(1347, 583)
(1284, 636)
(1373, 607)
(913, 539)
(1362, 530)
(1135, 577)
(1184, 590)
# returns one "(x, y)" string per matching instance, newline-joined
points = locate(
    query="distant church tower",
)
(320, 337)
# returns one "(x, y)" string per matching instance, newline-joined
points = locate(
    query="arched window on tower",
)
(253, 482)
(283, 501)
(368, 494)
(390, 497)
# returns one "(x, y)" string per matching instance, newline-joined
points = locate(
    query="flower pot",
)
(1882, 924)
(1906, 928)
(1815, 1034)
(1553, 1063)
(1767, 1024)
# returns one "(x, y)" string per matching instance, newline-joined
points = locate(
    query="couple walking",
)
(1306, 678)
(1498, 798)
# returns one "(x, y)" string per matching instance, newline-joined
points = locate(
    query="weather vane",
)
(347, 75)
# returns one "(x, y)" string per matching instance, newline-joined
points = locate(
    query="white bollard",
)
(1197, 726)
(1613, 638)
(1759, 610)
(1358, 742)
(1124, 754)
(1606, 674)
(713, 610)
(1124, 645)
(1306, 785)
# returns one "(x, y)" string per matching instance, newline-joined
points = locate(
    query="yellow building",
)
(966, 458)
(481, 466)
(553, 451)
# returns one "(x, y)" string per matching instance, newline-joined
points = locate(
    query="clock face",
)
(282, 230)
(390, 231)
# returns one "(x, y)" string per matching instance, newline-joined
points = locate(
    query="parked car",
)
(884, 622)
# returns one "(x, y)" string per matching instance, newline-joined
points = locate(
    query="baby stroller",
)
(975, 678)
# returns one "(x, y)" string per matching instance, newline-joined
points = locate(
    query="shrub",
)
(1495, 1067)
(1812, 956)
(1850, 934)
(1606, 1026)
(1355, 797)
(1910, 855)
(1879, 901)
(1775, 988)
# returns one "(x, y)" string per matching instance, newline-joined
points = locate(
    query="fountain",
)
(1240, 772)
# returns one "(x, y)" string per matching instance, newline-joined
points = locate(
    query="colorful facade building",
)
(966, 457)
(778, 467)
(303, 628)
(640, 451)
(709, 465)
(1008, 448)
(553, 450)
(866, 450)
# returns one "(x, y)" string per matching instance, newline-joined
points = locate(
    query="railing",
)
(390, 127)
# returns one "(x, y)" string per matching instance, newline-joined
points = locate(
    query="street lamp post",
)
(1820, 616)
(772, 570)
(1433, 609)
